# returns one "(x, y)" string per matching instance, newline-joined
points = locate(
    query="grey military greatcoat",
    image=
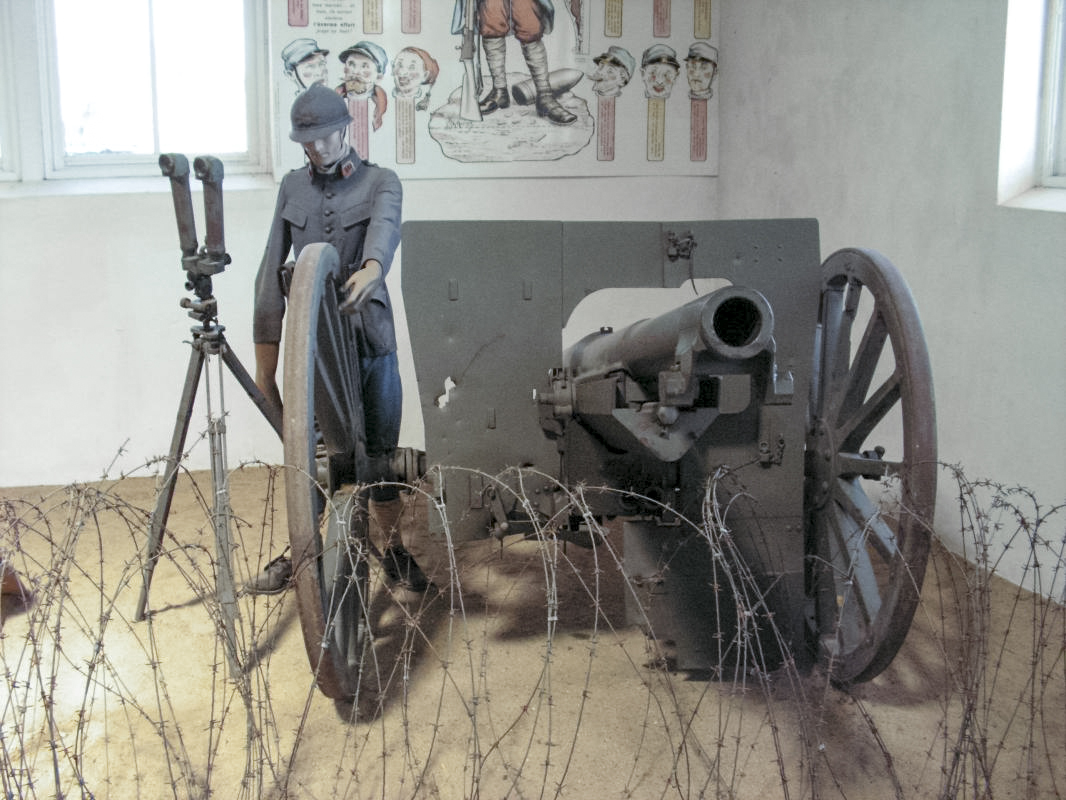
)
(357, 209)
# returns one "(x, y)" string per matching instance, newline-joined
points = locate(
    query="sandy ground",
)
(474, 689)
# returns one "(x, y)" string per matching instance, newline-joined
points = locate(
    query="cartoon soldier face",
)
(659, 68)
(409, 72)
(305, 62)
(312, 69)
(360, 73)
(659, 79)
(700, 67)
(609, 78)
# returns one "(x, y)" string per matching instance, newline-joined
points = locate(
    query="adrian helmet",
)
(317, 112)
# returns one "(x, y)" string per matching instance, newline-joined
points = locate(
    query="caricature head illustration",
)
(305, 62)
(701, 65)
(364, 65)
(614, 68)
(659, 68)
(414, 71)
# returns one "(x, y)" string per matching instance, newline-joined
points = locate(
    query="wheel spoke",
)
(861, 509)
(853, 432)
(855, 531)
(851, 300)
(836, 337)
(847, 549)
(333, 405)
(863, 366)
(333, 372)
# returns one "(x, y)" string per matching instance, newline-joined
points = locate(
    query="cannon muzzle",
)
(732, 324)
(659, 383)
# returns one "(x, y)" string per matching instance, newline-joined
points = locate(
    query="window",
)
(113, 87)
(8, 166)
(1032, 146)
(1054, 99)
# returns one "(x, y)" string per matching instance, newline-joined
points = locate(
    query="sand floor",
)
(476, 688)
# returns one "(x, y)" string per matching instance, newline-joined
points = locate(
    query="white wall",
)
(93, 358)
(882, 120)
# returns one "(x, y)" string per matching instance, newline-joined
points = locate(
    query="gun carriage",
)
(767, 441)
(780, 426)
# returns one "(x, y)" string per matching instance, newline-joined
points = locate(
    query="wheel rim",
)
(871, 466)
(326, 517)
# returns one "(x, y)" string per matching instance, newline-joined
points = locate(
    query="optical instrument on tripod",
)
(208, 341)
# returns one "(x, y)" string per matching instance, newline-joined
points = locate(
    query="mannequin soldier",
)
(530, 21)
(355, 206)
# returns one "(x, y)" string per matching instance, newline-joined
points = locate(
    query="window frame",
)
(1052, 147)
(31, 123)
(1024, 135)
(9, 161)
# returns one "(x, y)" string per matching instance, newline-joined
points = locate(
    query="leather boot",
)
(399, 565)
(496, 57)
(402, 570)
(495, 99)
(275, 577)
(536, 56)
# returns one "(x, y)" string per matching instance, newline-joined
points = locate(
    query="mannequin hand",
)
(360, 286)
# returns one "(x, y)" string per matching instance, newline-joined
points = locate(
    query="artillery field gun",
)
(766, 441)
(796, 399)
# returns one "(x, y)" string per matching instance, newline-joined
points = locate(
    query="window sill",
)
(16, 190)
(1039, 199)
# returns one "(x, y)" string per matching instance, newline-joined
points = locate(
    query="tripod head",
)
(199, 263)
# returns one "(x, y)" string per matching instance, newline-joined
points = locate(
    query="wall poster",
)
(508, 88)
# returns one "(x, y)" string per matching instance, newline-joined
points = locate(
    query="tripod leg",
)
(224, 588)
(166, 491)
(270, 411)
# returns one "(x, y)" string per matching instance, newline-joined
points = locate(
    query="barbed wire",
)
(519, 673)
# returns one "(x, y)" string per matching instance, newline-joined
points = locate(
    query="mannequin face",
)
(327, 151)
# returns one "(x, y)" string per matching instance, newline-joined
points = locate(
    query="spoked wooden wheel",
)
(871, 466)
(327, 518)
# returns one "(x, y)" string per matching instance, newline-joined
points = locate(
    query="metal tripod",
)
(208, 340)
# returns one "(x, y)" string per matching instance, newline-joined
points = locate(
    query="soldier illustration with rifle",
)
(529, 21)
(354, 205)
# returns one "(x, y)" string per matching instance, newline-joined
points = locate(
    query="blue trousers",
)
(382, 408)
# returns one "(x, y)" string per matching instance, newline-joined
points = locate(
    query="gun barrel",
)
(733, 323)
